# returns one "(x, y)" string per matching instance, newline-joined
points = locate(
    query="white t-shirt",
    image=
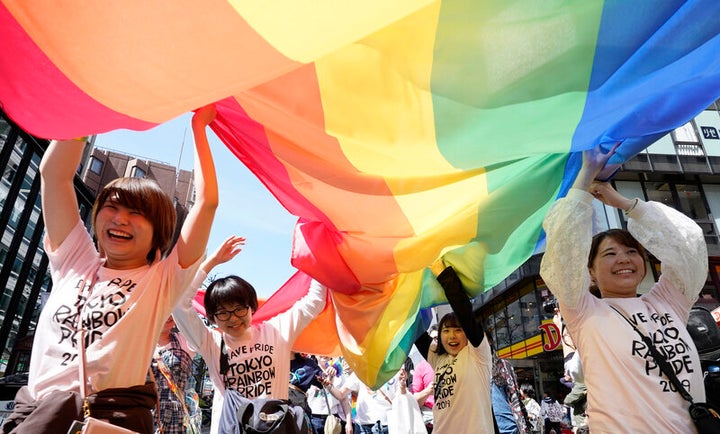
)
(372, 405)
(462, 404)
(626, 390)
(122, 318)
(318, 404)
(260, 366)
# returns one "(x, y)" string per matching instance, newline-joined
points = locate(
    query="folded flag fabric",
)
(399, 133)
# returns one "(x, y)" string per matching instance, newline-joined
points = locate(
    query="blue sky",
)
(246, 207)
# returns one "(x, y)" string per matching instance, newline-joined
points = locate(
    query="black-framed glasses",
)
(239, 312)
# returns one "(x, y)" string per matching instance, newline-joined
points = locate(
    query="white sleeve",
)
(187, 319)
(295, 319)
(676, 240)
(568, 225)
(574, 368)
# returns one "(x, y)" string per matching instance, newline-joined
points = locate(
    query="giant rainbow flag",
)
(399, 132)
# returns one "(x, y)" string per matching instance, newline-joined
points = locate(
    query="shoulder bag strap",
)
(81, 370)
(438, 384)
(81, 349)
(327, 401)
(384, 395)
(224, 360)
(659, 359)
(244, 413)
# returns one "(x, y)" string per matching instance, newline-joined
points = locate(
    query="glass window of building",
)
(502, 335)
(4, 130)
(9, 173)
(530, 313)
(660, 192)
(96, 166)
(516, 332)
(490, 327)
(709, 293)
(691, 202)
(686, 133)
(137, 172)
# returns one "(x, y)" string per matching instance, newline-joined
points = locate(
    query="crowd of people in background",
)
(454, 384)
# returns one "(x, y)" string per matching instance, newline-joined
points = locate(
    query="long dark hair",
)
(449, 320)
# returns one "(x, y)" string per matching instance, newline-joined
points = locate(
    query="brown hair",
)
(621, 236)
(145, 196)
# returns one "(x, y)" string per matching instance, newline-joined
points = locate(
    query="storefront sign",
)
(553, 337)
(710, 132)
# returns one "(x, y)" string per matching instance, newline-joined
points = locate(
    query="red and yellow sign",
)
(549, 340)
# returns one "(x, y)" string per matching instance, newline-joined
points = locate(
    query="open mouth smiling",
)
(119, 235)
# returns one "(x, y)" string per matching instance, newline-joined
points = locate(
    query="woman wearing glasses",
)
(253, 359)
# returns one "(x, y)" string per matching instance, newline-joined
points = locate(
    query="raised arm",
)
(568, 225)
(196, 229)
(224, 253)
(188, 321)
(59, 203)
(185, 316)
(461, 305)
(294, 320)
(423, 343)
(677, 241)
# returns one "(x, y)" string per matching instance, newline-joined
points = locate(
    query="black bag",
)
(706, 418)
(241, 415)
(298, 399)
(271, 416)
(268, 416)
(54, 413)
(704, 332)
(712, 381)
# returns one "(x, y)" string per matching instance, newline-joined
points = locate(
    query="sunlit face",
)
(453, 339)
(233, 319)
(617, 269)
(124, 236)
